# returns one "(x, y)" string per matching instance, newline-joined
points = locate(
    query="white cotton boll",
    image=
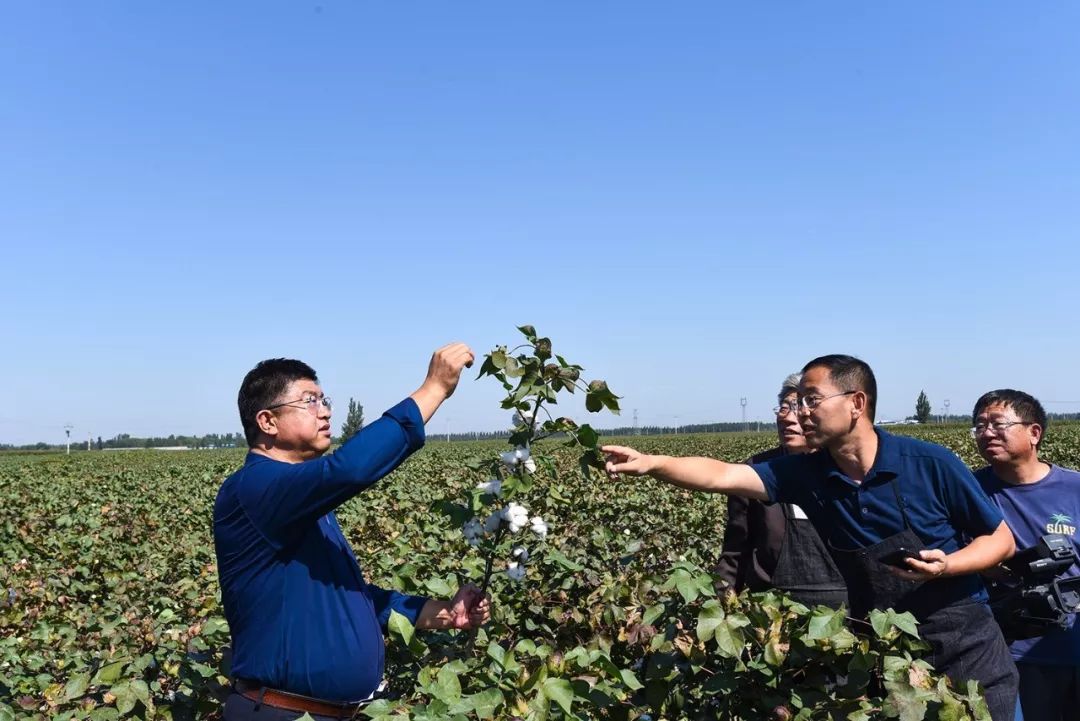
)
(515, 571)
(539, 527)
(511, 459)
(530, 465)
(492, 486)
(521, 553)
(472, 530)
(523, 418)
(626, 531)
(516, 516)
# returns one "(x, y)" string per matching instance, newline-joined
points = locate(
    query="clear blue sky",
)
(691, 199)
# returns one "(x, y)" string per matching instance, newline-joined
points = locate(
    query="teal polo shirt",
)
(945, 504)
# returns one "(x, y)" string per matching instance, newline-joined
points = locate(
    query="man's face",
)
(831, 416)
(787, 425)
(1003, 438)
(302, 426)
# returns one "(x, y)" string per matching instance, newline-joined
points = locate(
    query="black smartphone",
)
(899, 556)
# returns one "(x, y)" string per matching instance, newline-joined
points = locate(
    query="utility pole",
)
(447, 430)
(742, 402)
(637, 431)
(67, 430)
(946, 410)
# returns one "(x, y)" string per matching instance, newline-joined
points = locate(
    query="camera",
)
(1033, 600)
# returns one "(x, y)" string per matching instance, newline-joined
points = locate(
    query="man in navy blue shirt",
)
(878, 500)
(306, 627)
(1036, 498)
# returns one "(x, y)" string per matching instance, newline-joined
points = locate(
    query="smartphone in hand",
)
(898, 557)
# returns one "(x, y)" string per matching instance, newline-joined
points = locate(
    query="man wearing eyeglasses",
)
(895, 512)
(1036, 498)
(774, 545)
(306, 627)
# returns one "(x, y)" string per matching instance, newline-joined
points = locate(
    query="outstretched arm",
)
(691, 473)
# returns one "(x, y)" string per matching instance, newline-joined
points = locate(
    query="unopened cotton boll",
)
(515, 571)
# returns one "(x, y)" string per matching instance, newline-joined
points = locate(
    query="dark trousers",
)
(241, 708)
(966, 644)
(1049, 693)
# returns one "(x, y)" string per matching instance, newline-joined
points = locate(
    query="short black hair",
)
(263, 385)
(1026, 406)
(849, 374)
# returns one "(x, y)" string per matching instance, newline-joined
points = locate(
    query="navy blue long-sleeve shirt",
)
(302, 617)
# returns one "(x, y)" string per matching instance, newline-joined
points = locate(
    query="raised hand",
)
(444, 371)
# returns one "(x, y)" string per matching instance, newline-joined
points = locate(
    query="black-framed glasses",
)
(998, 427)
(786, 407)
(812, 402)
(310, 402)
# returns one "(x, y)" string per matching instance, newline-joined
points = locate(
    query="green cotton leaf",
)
(560, 558)
(513, 368)
(438, 587)
(561, 692)
(380, 709)
(711, 616)
(76, 686)
(497, 653)
(109, 673)
(825, 623)
(447, 687)
(125, 698)
(486, 702)
(653, 612)
(630, 680)
(488, 368)
(729, 639)
(587, 437)
(529, 332)
(906, 623)
(879, 621)
(400, 627)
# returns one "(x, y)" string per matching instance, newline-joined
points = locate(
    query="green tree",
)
(922, 408)
(354, 421)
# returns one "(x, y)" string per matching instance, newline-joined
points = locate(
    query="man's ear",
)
(1035, 433)
(859, 403)
(267, 423)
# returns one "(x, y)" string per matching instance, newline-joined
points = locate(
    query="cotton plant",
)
(495, 519)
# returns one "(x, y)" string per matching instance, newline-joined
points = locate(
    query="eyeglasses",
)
(786, 407)
(812, 402)
(998, 427)
(310, 402)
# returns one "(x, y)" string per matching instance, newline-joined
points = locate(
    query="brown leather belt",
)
(296, 702)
